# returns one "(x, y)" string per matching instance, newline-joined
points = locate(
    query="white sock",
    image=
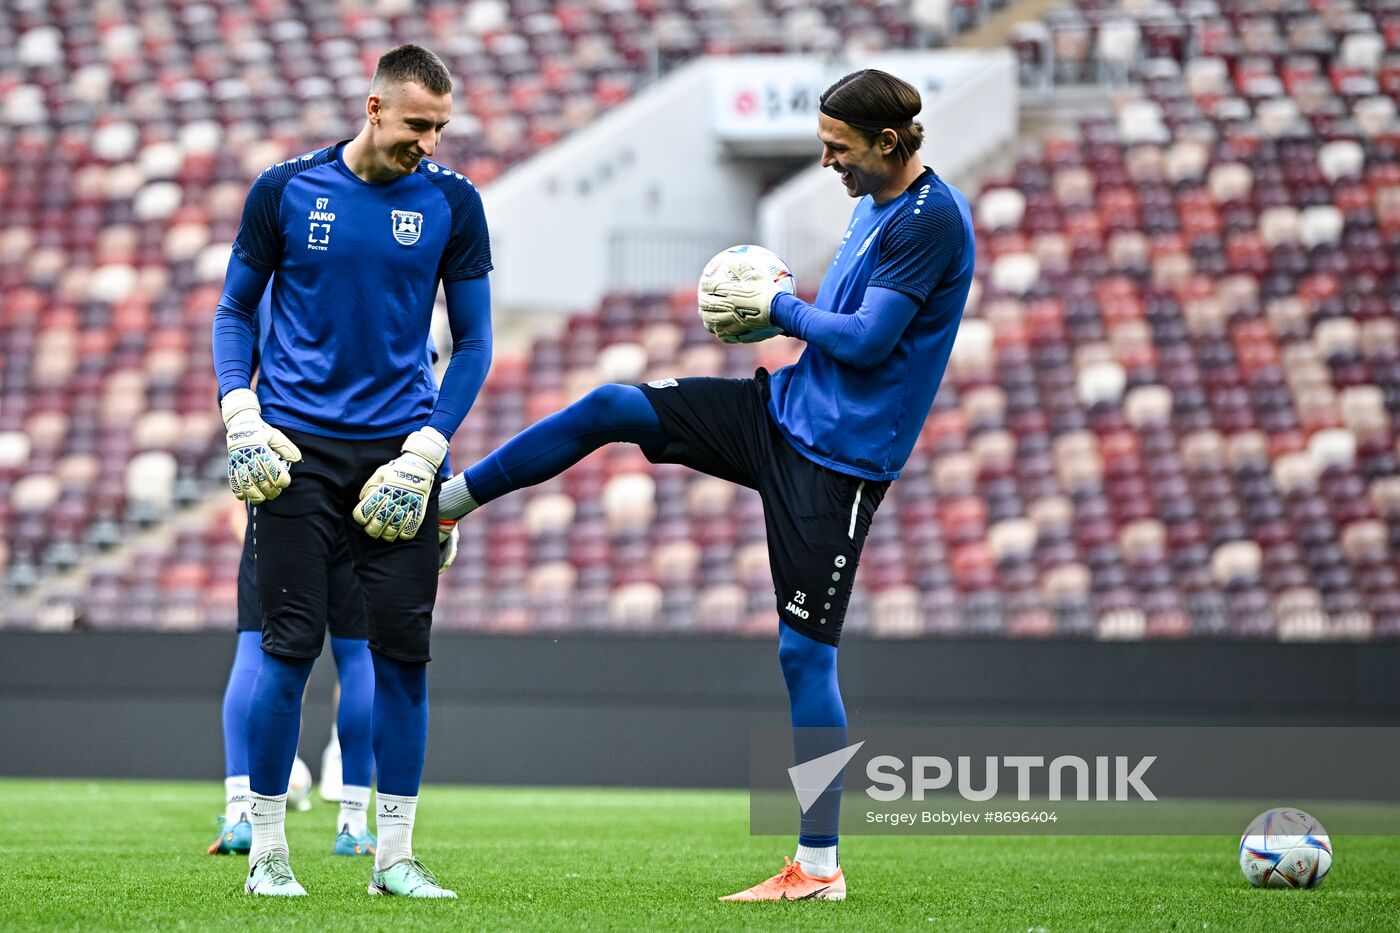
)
(236, 795)
(818, 862)
(354, 809)
(455, 499)
(269, 818)
(393, 821)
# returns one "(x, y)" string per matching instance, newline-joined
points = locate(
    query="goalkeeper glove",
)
(744, 309)
(447, 543)
(395, 499)
(720, 318)
(258, 454)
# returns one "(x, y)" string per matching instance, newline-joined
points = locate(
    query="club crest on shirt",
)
(408, 226)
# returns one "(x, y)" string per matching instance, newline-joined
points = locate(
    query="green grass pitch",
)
(128, 855)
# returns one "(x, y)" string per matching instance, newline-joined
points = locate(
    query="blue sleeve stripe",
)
(251, 260)
(259, 240)
(899, 285)
(468, 252)
(918, 248)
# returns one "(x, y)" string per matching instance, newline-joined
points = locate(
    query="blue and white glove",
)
(259, 455)
(394, 501)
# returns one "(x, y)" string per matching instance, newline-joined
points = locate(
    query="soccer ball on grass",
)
(1285, 848)
(733, 264)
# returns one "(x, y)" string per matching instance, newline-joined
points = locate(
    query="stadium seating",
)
(134, 128)
(1231, 246)
(133, 77)
(1171, 411)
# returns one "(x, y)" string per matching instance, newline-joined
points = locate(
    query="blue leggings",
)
(275, 717)
(237, 697)
(356, 676)
(818, 723)
(399, 722)
(352, 721)
(549, 447)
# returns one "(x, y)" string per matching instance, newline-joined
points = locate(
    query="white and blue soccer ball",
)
(731, 265)
(1285, 848)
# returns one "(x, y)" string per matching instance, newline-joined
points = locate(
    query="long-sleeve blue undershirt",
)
(236, 325)
(862, 339)
(469, 318)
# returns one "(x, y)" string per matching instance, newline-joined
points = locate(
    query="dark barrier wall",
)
(656, 711)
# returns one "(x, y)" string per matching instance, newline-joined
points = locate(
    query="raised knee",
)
(607, 403)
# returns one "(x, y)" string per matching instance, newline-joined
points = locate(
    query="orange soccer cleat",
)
(794, 884)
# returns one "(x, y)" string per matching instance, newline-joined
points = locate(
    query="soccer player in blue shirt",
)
(820, 440)
(346, 423)
(349, 631)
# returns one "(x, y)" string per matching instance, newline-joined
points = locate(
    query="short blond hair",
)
(406, 63)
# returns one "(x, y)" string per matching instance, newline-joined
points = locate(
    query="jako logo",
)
(932, 772)
(798, 611)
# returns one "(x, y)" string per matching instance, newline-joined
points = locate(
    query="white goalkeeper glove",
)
(395, 499)
(720, 318)
(724, 321)
(447, 543)
(259, 455)
(740, 311)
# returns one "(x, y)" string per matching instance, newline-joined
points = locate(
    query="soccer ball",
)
(1285, 848)
(299, 787)
(729, 266)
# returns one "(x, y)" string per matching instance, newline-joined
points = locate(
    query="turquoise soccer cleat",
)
(347, 843)
(407, 878)
(233, 840)
(272, 876)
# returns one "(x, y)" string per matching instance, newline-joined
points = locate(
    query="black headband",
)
(867, 123)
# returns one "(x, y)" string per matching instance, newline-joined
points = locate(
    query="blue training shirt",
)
(859, 414)
(357, 270)
(265, 309)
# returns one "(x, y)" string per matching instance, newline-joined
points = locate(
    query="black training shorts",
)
(816, 518)
(297, 556)
(345, 606)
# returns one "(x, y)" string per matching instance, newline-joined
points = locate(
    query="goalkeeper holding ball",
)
(820, 440)
(347, 422)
